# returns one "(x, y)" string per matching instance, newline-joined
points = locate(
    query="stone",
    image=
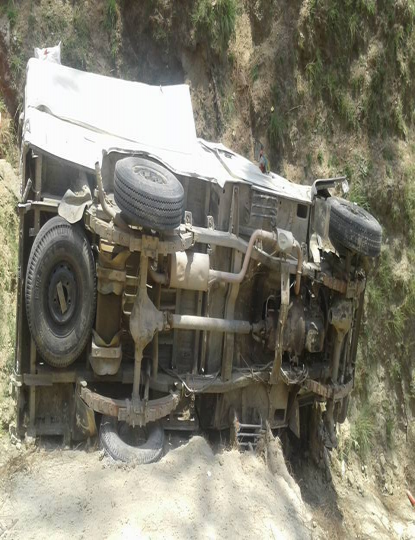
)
(350, 478)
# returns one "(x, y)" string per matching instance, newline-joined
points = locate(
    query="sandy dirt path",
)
(190, 493)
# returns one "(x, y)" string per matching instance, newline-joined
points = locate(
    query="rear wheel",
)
(131, 445)
(60, 292)
(148, 194)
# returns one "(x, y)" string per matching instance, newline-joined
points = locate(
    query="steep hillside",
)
(327, 87)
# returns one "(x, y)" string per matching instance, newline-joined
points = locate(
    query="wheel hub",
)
(62, 292)
(148, 174)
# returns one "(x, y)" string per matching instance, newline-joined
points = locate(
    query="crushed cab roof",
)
(79, 117)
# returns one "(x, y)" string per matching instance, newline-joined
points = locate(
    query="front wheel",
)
(353, 228)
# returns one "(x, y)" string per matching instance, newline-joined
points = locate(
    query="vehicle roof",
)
(79, 117)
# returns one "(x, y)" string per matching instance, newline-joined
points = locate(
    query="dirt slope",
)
(190, 493)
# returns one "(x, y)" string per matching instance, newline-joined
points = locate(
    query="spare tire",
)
(112, 442)
(60, 292)
(353, 228)
(148, 194)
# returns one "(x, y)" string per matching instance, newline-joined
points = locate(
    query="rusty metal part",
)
(206, 384)
(105, 358)
(192, 322)
(282, 318)
(228, 277)
(110, 280)
(111, 284)
(26, 191)
(184, 240)
(134, 241)
(159, 278)
(145, 320)
(149, 411)
(333, 392)
(190, 271)
(340, 317)
(320, 219)
(83, 418)
(322, 184)
(299, 268)
(284, 241)
(111, 213)
(229, 313)
(246, 435)
(351, 289)
(110, 256)
(42, 206)
(294, 335)
(155, 345)
(229, 240)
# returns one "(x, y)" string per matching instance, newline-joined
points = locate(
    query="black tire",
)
(115, 447)
(60, 263)
(353, 228)
(147, 194)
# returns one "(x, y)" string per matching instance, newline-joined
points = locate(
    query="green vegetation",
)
(12, 12)
(254, 72)
(229, 104)
(111, 22)
(77, 44)
(216, 22)
(111, 14)
(363, 431)
(8, 271)
(359, 60)
(8, 148)
(276, 129)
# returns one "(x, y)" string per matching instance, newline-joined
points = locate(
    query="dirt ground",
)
(48, 492)
(190, 493)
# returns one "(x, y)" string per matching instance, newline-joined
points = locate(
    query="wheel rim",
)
(62, 293)
(133, 436)
(150, 175)
(356, 210)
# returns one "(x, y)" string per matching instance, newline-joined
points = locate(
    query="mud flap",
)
(83, 418)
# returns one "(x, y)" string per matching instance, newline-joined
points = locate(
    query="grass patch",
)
(276, 129)
(255, 73)
(12, 13)
(111, 14)
(363, 431)
(335, 39)
(8, 139)
(215, 21)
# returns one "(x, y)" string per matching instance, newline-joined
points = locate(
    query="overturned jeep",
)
(166, 283)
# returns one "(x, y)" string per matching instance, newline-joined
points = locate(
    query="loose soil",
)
(194, 493)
